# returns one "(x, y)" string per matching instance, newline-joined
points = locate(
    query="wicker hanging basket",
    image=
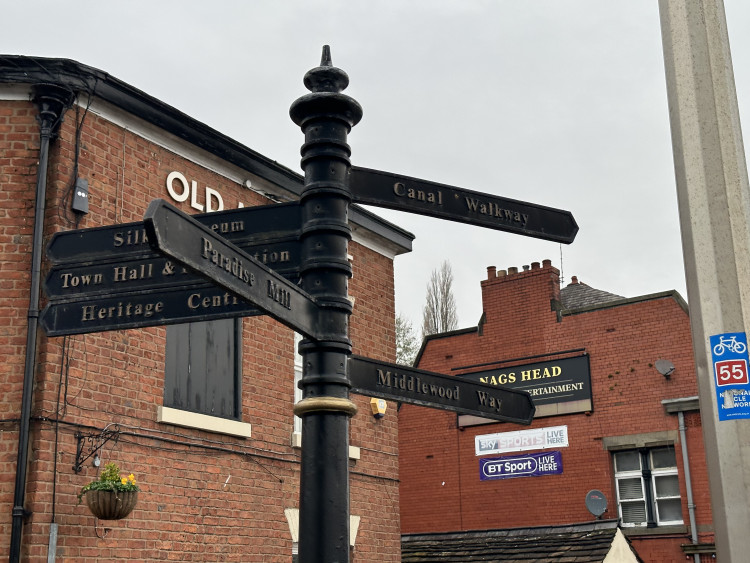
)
(111, 505)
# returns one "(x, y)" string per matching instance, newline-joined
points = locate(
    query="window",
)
(203, 368)
(648, 490)
(297, 378)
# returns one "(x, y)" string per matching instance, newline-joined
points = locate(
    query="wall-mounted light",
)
(664, 367)
(378, 407)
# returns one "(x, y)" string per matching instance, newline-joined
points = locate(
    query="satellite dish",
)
(664, 367)
(596, 502)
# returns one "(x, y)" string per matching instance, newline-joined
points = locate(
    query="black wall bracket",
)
(88, 445)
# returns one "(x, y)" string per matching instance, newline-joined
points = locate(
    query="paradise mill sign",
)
(177, 268)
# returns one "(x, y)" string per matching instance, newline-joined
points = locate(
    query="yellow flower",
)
(124, 481)
(131, 478)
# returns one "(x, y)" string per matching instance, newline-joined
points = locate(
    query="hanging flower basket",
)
(110, 497)
(111, 505)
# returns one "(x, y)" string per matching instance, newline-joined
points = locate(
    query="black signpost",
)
(217, 265)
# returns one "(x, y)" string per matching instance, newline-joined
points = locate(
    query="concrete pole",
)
(714, 207)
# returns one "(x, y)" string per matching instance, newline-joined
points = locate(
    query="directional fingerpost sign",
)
(251, 225)
(385, 189)
(143, 309)
(109, 278)
(427, 389)
(200, 249)
(176, 268)
(149, 271)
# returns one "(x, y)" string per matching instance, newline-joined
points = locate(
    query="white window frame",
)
(647, 477)
(297, 429)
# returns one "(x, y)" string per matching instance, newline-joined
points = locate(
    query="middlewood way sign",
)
(197, 247)
(427, 389)
(384, 189)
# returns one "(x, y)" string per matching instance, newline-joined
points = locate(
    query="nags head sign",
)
(556, 387)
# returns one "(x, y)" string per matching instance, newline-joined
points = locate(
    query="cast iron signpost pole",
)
(325, 116)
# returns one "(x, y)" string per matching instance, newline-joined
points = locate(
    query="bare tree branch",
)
(439, 313)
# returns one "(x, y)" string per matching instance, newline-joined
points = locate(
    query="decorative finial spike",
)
(325, 59)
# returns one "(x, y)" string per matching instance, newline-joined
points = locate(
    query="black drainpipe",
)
(52, 100)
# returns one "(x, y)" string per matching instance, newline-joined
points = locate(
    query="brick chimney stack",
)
(516, 301)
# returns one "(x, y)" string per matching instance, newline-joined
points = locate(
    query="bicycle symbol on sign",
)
(730, 344)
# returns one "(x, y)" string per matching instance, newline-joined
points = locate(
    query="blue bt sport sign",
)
(525, 465)
(730, 360)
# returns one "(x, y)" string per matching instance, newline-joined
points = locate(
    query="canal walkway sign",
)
(385, 189)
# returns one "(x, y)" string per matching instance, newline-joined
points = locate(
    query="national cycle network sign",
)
(526, 465)
(730, 360)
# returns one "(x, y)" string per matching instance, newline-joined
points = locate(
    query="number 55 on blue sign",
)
(730, 361)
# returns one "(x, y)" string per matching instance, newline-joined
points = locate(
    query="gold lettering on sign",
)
(499, 379)
(131, 237)
(552, 389)
(71, 280)
(232, 265)
(121, 310)
(140, 272)
(228, 227)
(530, 374)
(488, 401)
(433, 197)
(492, 209)
(279, 294)
(198, 301)
(416, 385)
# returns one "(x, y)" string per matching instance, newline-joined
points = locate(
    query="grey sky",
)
(556, 102)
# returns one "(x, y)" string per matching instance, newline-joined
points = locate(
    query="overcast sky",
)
(560, 103)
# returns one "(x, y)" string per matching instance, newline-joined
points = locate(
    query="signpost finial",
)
(326, 77)
(325, 59)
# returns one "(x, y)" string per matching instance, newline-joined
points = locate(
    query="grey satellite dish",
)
(664, 367)
(596, 502)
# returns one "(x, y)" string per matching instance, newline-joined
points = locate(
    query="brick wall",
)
(441, 489)
(204, 496)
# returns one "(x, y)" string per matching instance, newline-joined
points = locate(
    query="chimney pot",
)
(546, 263)
(512, 270)
(491, 272)
(574, 280)
(526, 268)
(535, 265)
(502, 274)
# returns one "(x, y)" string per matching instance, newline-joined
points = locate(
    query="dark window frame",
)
(203, 368)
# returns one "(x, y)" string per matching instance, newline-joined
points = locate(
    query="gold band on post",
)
(330, 404)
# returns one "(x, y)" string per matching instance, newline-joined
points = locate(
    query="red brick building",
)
(201, 413)
(614, 385)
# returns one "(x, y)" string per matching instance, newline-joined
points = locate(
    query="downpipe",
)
(688, 485)
(52, 101)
